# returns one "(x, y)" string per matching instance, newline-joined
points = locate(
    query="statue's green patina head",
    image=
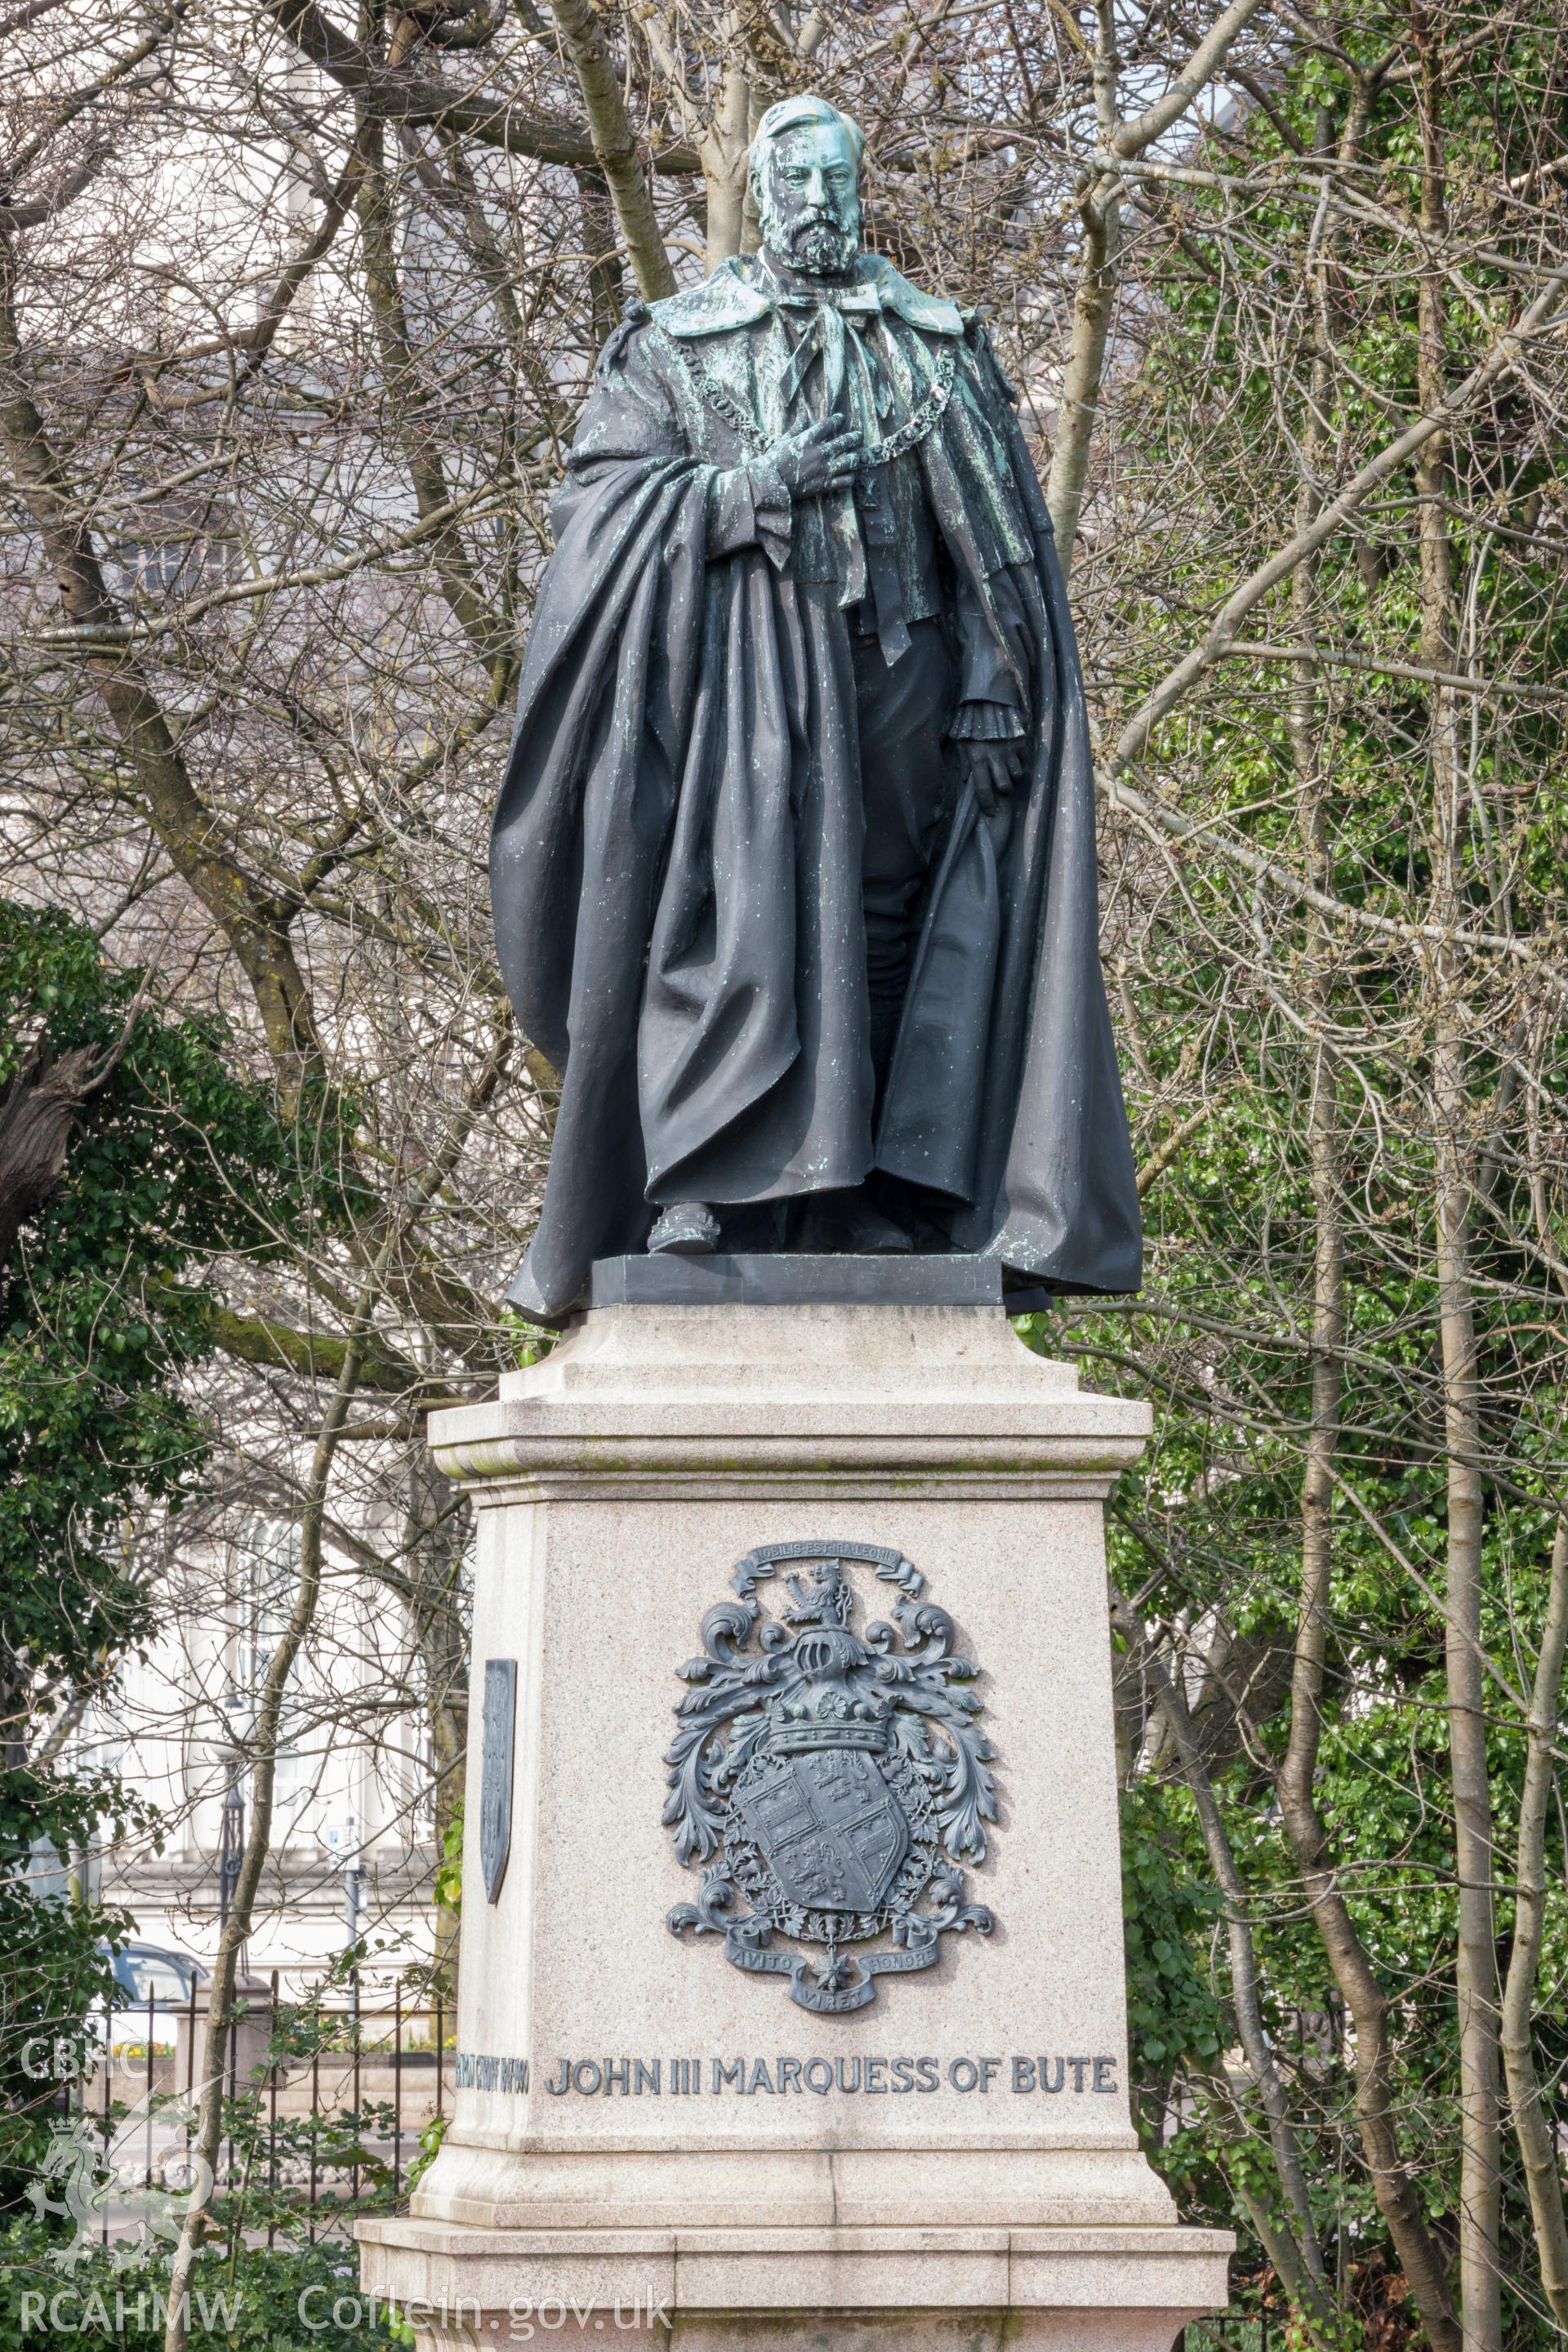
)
(805, 180)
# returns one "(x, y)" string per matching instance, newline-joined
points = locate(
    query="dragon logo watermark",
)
(103, 2190)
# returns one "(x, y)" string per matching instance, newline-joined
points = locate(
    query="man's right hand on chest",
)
(751, 505)
(816, 457)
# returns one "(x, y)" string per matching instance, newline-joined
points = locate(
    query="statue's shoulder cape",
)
(731, 299)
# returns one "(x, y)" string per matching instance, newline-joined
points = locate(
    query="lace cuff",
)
(986, 723)
(748, 506)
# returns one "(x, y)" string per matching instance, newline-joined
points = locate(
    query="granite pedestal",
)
(649, 2138)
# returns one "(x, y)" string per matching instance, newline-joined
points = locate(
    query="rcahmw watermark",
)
(69, 2312)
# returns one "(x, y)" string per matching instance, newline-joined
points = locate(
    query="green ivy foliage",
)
(176, 1156)
(1172, 1913)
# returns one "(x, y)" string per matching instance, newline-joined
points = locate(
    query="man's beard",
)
(819, 247)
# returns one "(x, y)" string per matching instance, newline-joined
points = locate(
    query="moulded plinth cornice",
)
(698, 1466)
(640, 1398)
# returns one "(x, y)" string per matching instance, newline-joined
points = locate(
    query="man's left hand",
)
(993, 769)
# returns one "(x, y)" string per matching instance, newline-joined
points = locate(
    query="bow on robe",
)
(834, 371)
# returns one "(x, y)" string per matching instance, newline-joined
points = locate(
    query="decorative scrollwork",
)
(830, 1780)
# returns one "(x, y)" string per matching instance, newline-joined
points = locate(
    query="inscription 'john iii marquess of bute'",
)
(689, 2078)
(830, 1780)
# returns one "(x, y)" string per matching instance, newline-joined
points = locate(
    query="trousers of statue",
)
(901, 713)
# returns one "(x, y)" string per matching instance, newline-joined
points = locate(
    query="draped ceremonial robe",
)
(676, 858)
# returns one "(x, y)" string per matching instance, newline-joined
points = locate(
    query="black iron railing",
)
(334, 2095)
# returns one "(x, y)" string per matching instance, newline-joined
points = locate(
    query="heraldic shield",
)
(830, 1780)
(828, 1827)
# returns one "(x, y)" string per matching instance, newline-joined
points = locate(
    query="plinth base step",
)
(819, 2290)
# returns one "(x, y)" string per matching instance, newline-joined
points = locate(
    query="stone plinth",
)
(640, 2119)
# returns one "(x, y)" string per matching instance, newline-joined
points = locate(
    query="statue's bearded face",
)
(810, 200)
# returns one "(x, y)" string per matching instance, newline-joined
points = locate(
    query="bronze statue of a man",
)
(793, 867)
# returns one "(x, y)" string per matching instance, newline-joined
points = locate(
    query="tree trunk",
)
(1398, 2201)
(605, 286)
(1532, 2122)
(208, 2136)
(723, 154)
(1093, 304)
(488, 636)
(1474, 1968)
(1099, 209)
(1304, 2263)
(439, 1524)
(1354, 1976)
(38, 1117)
(254, 924)
(614, 144)
(1323, 1084)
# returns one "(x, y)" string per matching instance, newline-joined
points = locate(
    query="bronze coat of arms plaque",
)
(830, 1780)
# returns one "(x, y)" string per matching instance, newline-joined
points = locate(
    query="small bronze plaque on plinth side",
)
(495, 1787)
